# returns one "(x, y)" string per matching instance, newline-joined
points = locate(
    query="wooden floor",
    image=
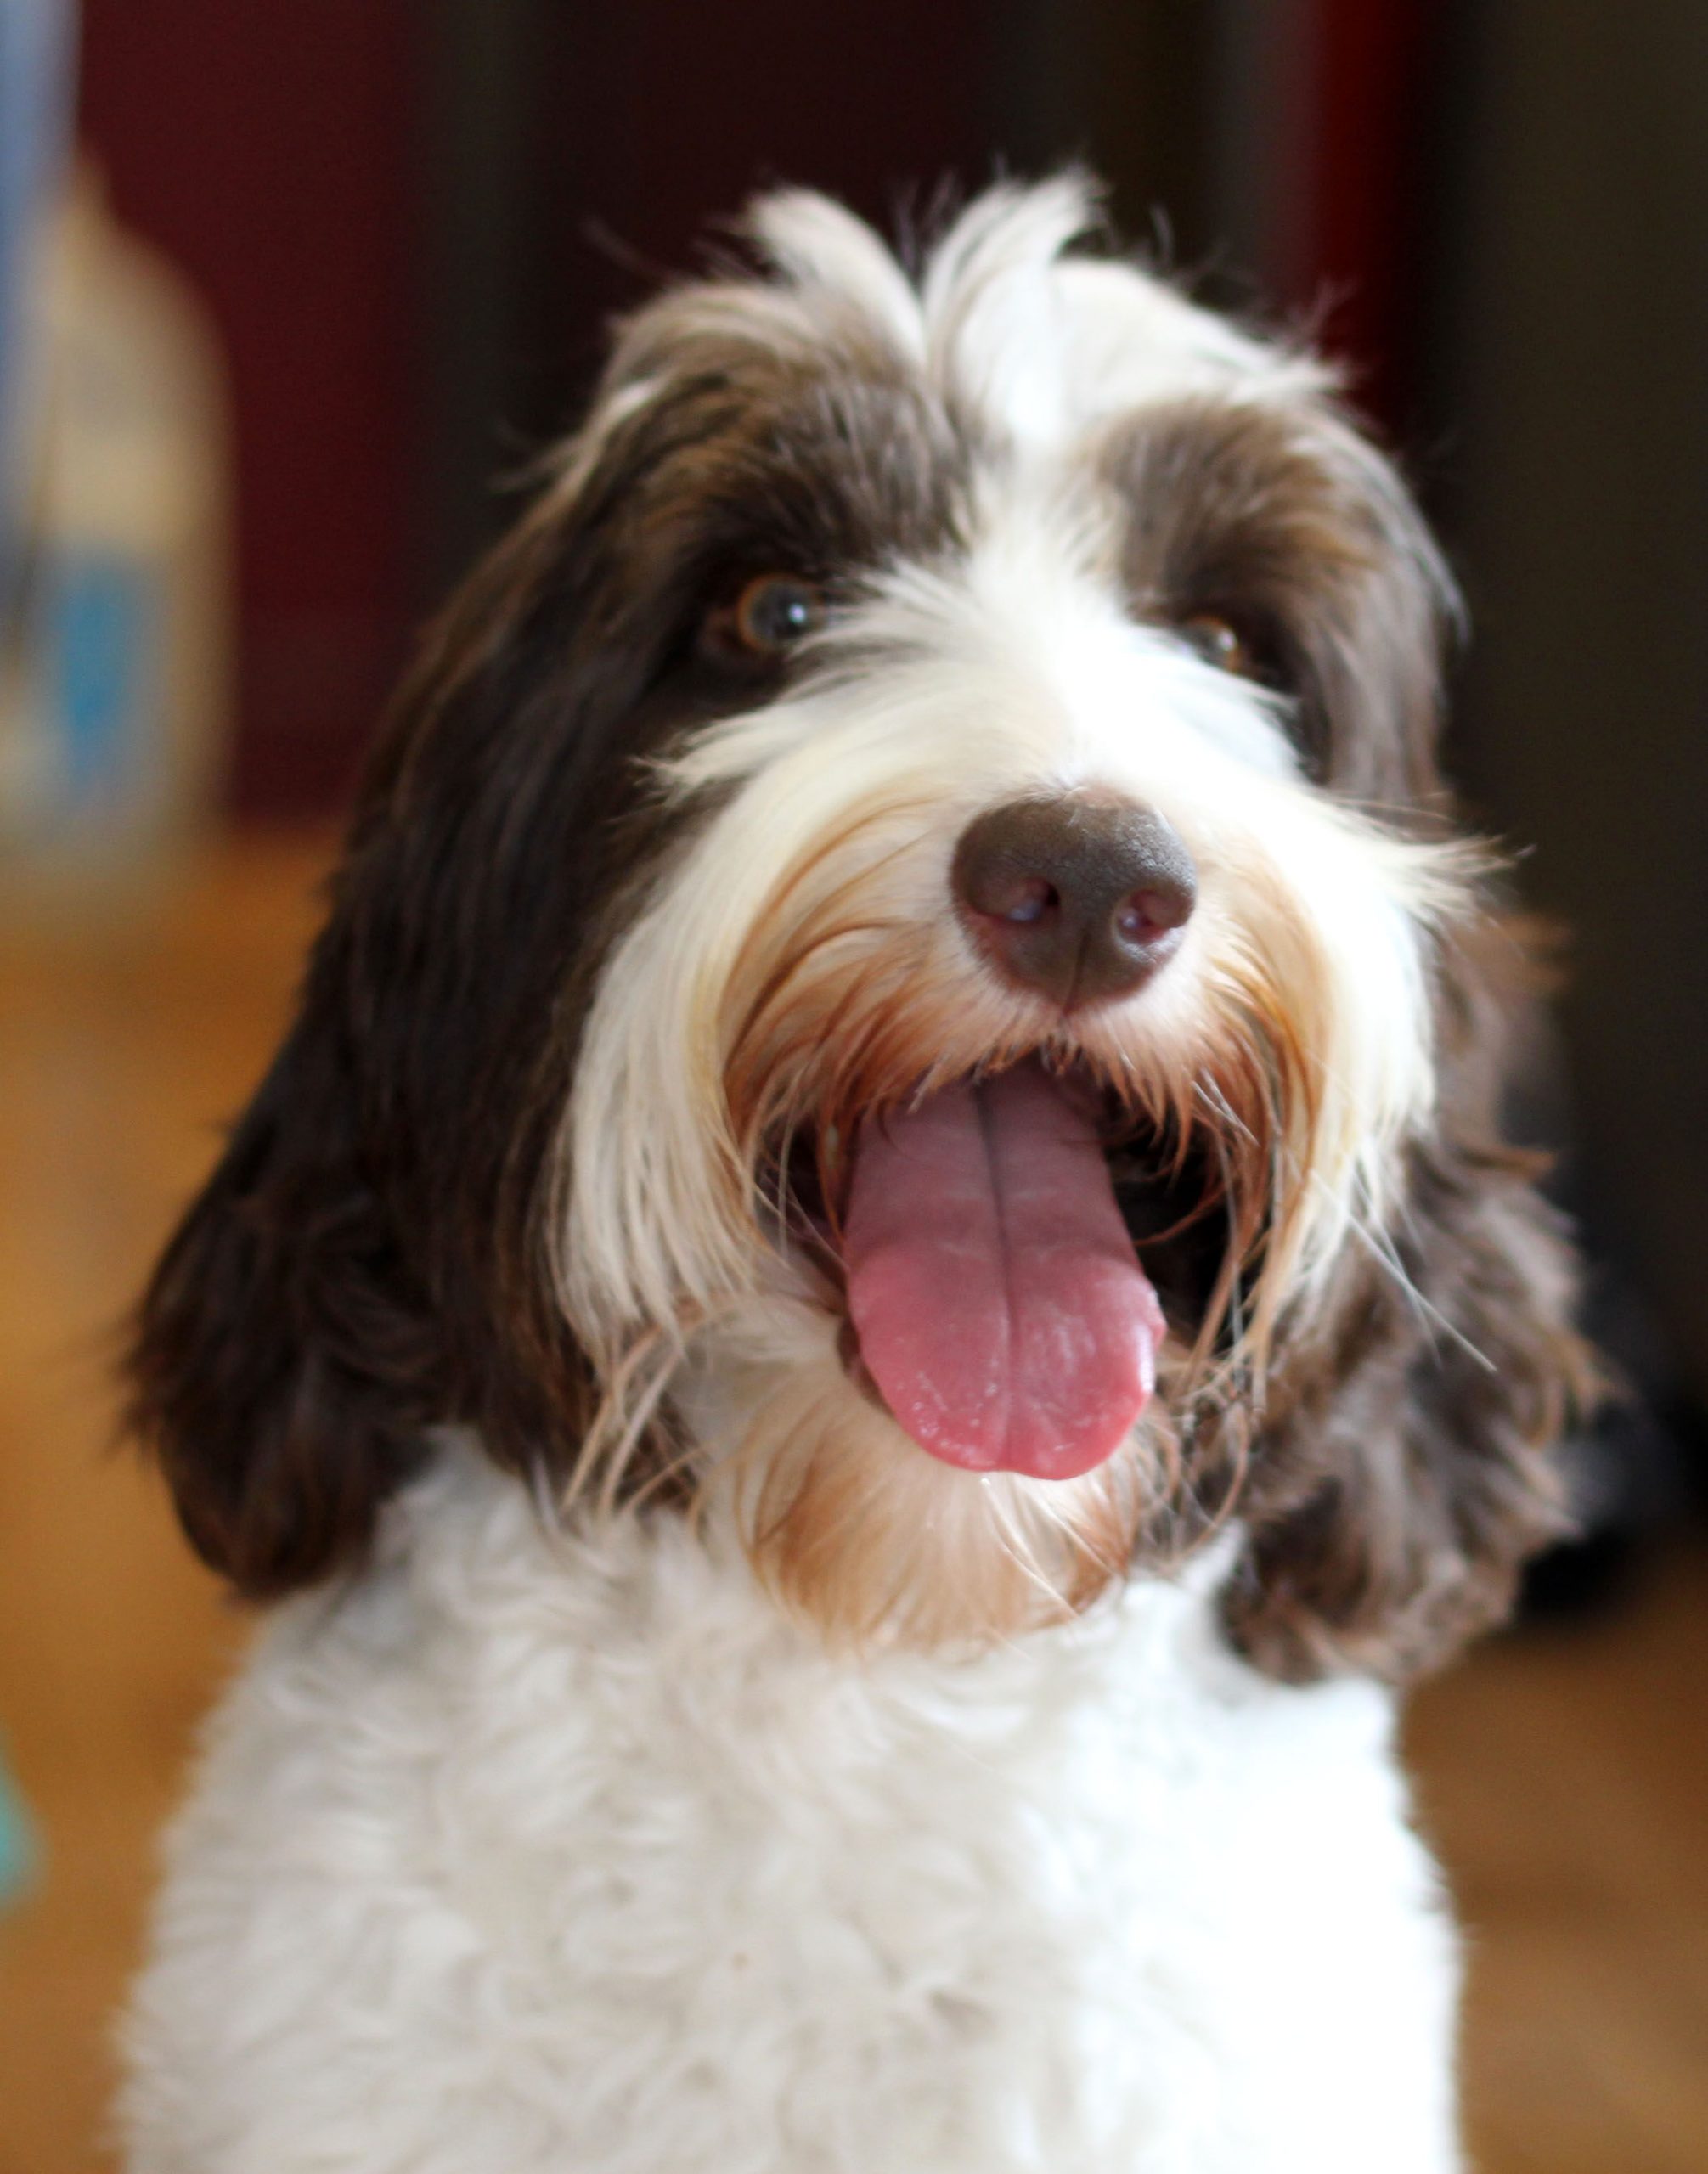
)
(1565, 1779)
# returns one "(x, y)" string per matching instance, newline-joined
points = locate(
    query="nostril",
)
(1032, 901)
(1145, 914)
(1005, 885)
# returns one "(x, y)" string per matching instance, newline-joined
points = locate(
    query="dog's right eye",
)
(1218, 642)
(765, 620)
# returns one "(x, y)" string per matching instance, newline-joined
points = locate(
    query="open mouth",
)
(996, 1298)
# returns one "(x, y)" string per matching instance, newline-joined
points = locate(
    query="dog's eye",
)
(1219, 643)
(767, 618)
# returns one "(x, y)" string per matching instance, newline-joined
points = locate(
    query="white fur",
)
(1046, 343)
(1015, 671)
(534, 1851)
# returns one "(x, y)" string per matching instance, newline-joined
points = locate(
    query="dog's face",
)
(902, 976)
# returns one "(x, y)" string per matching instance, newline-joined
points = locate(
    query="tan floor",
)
(1566, 1781)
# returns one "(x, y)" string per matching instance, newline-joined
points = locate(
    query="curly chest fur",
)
(584, 1858)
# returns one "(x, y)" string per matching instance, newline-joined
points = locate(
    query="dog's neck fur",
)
(1104, 1898)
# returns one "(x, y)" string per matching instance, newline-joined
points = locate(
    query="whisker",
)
(1381, 1249)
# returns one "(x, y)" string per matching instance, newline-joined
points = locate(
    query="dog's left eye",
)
(766, 619)
(1219, 643)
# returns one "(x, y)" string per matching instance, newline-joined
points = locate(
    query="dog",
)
(877, 1301)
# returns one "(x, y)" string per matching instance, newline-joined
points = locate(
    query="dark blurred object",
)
(1566, 366)
(268, 150)
(1635, 1467)
(589, 150)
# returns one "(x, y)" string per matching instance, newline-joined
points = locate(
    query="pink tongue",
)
(1000, 1307)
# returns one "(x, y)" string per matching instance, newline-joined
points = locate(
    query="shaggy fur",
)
(675, 1767)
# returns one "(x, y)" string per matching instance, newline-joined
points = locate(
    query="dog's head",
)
(903, 978)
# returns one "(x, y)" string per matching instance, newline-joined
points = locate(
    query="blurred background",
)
(288, 290)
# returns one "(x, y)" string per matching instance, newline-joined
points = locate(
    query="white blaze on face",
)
(953, 689)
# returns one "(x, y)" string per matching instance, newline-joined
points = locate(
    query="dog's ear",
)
(283, 1363)
(371, 1256)
(1409, 1477)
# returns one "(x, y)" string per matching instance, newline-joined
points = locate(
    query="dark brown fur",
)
(1400, 1475)
(1290, 527)
(372, 1255)
(1404, 1475)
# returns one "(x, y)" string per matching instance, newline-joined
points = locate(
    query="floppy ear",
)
(369, 1256)
(1402, 1476)
(283, 1361)
(1409, 1477)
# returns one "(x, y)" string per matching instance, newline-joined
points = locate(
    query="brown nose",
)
(1077, 899)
